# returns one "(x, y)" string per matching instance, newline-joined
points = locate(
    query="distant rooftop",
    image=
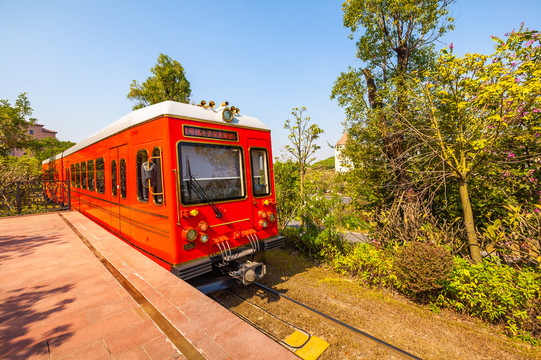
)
(342, 140)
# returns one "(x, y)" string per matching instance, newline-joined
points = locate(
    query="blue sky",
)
(76, 59)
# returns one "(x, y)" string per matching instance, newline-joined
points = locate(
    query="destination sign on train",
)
(210, 133)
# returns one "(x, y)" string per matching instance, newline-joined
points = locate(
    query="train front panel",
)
(225, 192)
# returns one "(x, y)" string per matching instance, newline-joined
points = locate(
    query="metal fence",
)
(36, 196)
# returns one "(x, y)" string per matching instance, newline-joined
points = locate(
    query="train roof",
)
(163, 109)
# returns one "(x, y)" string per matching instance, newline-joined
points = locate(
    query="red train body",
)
(191, 187)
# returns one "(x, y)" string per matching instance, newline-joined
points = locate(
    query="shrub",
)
(491, 291)
(371, 265)
(422, 269)
(498, 294)
(19, 169)
(355, 222)
(324, 245)
(515, 238)
(331, 245)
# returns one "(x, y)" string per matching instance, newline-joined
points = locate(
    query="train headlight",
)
(272, 217)
(227, 115)
(262, 214)
(263, 223)
(203, 225)
(190, 234)
(204, 238)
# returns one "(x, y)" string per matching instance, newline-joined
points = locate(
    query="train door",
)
(115, 204)
(120, 212)
(75, 185)
(65, 187)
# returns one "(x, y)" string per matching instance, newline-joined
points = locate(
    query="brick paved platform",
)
(58, 301)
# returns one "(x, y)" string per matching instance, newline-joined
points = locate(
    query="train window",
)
(123, 188)
(83, 175)
(142, 191)
(260, 172)
(158, 189)
(90, 172)
(210, 171)
(114, 188)
(77, 175)
(73, 175)
(48, 174)
(100, 175)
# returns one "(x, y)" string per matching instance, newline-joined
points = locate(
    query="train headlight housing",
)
(204, 238)
(272, 217)
(190, 234)
(263, 223)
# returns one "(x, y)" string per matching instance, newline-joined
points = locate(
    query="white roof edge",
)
(171, 108)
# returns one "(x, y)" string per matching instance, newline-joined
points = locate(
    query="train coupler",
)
(249, 272)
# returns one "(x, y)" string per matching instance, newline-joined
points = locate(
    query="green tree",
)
(286, 179)
(167, 83)
(14, 122)
(47, 147)
(478, 113)
(19, 169)
(397, 40)
(302, 135)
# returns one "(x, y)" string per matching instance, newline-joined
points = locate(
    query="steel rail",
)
(350, 328)
(279, 341)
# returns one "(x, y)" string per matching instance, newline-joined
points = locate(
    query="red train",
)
(189, 186)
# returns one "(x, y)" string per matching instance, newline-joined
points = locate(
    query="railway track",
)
(232, 301)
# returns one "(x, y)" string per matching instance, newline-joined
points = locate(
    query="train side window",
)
(158, 189)
(73, 175)
(114, 188)
(123, 188)
(260, 172)
(83, 175)
(78, 175)
(90, 171)
(100, 175)
(47, 175)
(142, 192)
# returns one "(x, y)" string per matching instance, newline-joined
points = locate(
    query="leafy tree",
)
(327, 164)
(478, 113)
(14, 122)
(397, 40)
(302, 135)
(167, 83)
(47, 147)
(286, 179)
(19, 169)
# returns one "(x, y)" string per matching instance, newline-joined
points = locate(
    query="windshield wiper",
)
(199, 191)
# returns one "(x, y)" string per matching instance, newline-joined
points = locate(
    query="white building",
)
(341, 163)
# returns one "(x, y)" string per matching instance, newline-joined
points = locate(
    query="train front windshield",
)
(210, 172)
